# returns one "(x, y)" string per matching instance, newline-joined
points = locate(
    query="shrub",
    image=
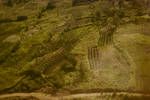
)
(22, 18)
(8, 3)
(50, 6)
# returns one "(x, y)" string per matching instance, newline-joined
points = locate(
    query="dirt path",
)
(40, 96)
(43, 96)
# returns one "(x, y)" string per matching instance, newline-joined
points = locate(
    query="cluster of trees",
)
(12, 2)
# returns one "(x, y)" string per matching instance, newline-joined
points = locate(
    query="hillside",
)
(54, 46)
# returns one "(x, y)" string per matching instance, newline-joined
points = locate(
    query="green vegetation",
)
(45, 44)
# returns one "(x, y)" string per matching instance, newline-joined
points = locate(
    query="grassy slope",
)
(137, 44)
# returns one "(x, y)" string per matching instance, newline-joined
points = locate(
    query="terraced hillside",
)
(54, 46)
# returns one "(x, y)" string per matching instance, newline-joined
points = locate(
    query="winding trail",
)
(43, 96)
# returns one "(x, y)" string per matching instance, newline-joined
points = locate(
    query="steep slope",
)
(55, 44)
